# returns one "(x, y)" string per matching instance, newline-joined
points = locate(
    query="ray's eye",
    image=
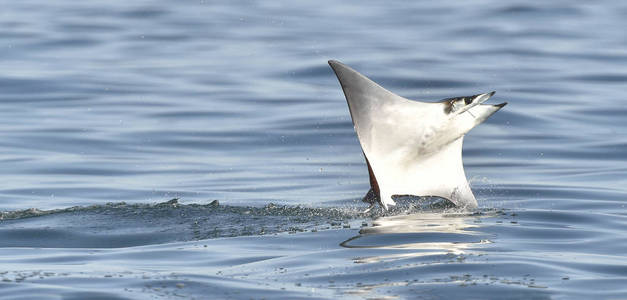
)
(468, 100)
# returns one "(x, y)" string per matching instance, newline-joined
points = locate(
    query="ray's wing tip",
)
(336, 66)
(501, 105)
(334, 63)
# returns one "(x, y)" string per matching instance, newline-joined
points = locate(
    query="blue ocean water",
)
(111, 109)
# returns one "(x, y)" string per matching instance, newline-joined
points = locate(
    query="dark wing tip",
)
(333, 62)
(336, 66)
(501, 105)
(492, 93)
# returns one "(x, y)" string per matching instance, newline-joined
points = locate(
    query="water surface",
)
(110, 109)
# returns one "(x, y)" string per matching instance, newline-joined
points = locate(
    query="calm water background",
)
(144, 101)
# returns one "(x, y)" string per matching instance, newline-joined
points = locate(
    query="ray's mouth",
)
(476, 100)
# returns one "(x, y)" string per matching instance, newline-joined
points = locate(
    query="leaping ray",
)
(412, 147)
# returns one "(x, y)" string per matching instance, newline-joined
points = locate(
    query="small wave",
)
(405, 205)
(122, 224)
(174, 205)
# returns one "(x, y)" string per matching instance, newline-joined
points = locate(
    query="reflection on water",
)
(430, 238)
(428, 233)
(440, 251)
(423, 222)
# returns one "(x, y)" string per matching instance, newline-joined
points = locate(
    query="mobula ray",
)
(412, 147)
